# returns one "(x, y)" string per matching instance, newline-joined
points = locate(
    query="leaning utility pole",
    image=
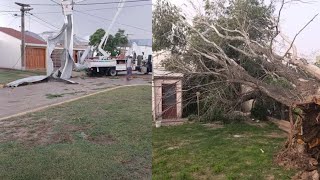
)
(23, 9)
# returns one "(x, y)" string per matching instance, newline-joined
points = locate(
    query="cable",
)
(96, 9)
(14, 18)
(56, 28)
(55, 2)
(115, 22)
(43, 20)
(114, 2)
(9, 11)
(44, 4)
(36, 20)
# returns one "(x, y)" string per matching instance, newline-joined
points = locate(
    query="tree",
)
(233, 45)
(167, 30)
(113, 42)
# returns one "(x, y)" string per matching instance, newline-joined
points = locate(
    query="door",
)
(169, 101)
(35, 58)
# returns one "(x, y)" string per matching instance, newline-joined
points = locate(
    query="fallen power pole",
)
(24, 8)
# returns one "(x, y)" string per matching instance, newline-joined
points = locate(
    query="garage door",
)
(35, 58)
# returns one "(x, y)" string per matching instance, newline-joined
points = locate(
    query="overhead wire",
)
(40, 22)
(44, 21)
(114, 2)
(81, 4)
(115, 22)
(96, 9)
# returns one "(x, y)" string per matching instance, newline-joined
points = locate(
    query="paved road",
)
(29, 97)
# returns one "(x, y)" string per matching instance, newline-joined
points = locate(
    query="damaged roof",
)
(17, 34)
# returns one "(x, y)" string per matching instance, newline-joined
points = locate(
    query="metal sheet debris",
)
(32, 79)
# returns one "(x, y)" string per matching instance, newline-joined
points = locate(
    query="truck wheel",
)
(113, 72)
(89, 73)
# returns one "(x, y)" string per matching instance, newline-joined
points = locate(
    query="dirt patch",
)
(207, 174)
(180, 144)
(102, 140)
(256, 123)
(75, 128)
(99, 84)
(276, 135)
(213, 125)
(63, 137)
(37, 132)
(28, 133)
(312, 175)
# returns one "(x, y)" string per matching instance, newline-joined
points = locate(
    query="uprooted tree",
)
(230, 52)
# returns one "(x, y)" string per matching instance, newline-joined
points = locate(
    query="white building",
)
(10, 50)
(166, 91)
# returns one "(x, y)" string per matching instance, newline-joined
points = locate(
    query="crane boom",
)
(106, 35)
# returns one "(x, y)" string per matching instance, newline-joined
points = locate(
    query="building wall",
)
(10, 52)
(157, 96)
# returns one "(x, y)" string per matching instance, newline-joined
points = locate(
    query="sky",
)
(294, 17)
(135, 18)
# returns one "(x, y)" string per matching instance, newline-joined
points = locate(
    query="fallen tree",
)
(235, 43)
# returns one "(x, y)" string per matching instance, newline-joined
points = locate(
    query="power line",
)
(55, 2)
(14, 18)
(115, 22)
(9, 11)
(43, 20)
(44, 4)
(114, 2)
(95, 9)
(40, 22)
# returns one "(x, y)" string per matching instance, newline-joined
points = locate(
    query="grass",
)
(52, 96)
(9, 75)
(193, 151)
(106, 136)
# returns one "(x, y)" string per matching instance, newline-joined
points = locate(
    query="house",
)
(36, 46)
(10, 50)
(145, 45)
(166, 91)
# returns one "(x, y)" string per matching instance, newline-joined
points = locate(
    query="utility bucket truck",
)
(106, 65)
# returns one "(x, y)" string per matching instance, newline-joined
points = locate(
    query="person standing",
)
(129, 67)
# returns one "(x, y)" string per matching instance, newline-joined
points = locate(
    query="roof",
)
(158, 69)
(35, 35)
(17, 34)
(162, 73)
(77, 41)
(141, 42)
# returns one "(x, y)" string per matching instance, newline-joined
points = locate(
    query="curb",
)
(68, 101)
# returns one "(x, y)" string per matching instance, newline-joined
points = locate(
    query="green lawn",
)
(106, 136)
(194, 151)
(8, 75)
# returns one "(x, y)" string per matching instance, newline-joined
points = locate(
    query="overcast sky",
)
(135, 17)
(294, 17)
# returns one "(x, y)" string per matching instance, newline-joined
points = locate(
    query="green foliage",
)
(278, 81)
(167, 30)
(259, 111)
(113, 42)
